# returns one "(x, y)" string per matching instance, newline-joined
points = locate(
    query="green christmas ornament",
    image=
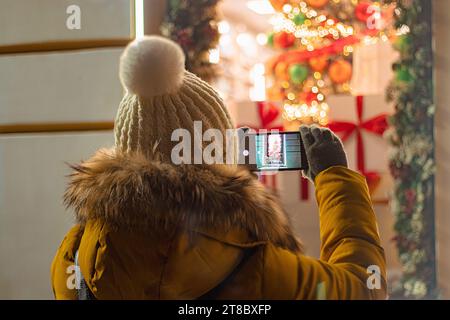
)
(299, 19)
(403, 74)
(270, 39)
(298, 73)
(402, 43)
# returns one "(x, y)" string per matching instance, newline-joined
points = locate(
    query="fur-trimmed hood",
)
(132, 191)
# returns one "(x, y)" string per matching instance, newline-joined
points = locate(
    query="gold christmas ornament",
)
(316, 3)
(340, 71)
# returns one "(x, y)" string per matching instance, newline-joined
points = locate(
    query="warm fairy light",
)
(261, 39)
(244, 39)
(260, 6)
(214, 55)
(259, 69)
(225, 41)
(310, 37)
(258, 90)
(287, 8)
(367, 40)
(223, 27)
(305, 113)
(321, 18)
(404, 29)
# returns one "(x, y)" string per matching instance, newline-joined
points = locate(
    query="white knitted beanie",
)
(162, 96)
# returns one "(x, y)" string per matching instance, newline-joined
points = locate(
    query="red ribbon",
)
(299, 56)
(304, 188)
(376, 125)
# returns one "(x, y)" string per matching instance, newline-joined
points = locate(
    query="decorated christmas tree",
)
(317, 39)
(193, 25)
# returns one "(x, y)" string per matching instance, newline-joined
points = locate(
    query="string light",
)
(287, 8)
(315, 112)
(316, 30)
(261, 39)
(214, 55)
(223, 27)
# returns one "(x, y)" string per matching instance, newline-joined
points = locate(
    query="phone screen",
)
(274, 151)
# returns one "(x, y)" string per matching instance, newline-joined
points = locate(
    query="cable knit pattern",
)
(143, 120)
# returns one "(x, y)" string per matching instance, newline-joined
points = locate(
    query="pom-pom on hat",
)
(162, 96)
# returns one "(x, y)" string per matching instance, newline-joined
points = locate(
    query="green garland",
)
(412, 160)
(193, 25)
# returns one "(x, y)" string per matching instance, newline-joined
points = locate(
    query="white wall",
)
(33, 221)
(58, 87)
(25, 21)
(442, 77)
(71, 86)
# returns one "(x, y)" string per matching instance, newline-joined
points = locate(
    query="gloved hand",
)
(323, 150)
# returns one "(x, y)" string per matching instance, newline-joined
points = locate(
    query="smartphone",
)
(272, 151)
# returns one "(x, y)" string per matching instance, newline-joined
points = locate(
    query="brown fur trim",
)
(129, 190)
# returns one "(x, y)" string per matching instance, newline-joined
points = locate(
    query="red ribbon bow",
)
(376, 125)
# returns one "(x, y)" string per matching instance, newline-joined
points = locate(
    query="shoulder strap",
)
(83, 291)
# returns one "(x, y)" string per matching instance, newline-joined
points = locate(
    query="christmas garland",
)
(412, 161)
(193, 25)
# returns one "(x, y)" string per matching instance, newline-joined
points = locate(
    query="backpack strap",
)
(83, 291)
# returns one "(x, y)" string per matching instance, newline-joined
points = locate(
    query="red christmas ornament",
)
(184, 38)
(362, 11)
(340, 71)
(284, 40)
(308, 97)
(281, 71)
(319, 63)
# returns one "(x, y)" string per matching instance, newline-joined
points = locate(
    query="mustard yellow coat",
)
(149, 230)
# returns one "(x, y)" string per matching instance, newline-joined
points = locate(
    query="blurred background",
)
(375, 72)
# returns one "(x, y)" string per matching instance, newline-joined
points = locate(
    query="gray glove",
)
(323, 150)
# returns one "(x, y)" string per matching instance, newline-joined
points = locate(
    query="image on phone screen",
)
(274, 151)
